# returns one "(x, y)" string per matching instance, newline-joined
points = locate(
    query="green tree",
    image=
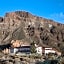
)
(33, 48)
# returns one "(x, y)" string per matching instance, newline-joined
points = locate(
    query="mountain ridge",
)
(20, 25)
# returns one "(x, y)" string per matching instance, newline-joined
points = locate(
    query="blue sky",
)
(52, 9)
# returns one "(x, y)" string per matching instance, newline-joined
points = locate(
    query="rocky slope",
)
(23, 25)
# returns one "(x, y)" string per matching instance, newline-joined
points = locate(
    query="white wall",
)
(49, 51)
(39, 50)
(15, 50)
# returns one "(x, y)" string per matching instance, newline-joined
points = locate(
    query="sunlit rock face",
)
(21, 25)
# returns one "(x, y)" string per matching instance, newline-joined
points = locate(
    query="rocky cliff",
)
(23, 25)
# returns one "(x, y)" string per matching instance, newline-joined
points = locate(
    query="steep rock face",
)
(23, 25)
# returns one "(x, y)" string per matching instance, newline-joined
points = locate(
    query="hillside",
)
(23, 25)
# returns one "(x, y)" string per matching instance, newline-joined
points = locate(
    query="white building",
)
(52, 50)
(39, 50)
(49, 50)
